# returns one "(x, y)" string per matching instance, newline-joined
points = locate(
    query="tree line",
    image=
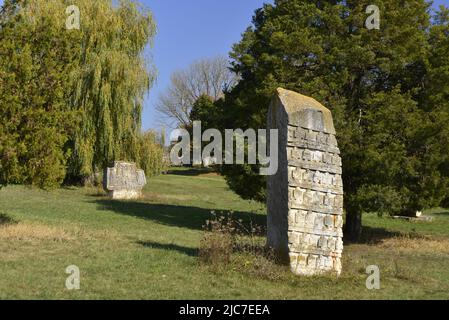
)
(388, 90)
(71, 100)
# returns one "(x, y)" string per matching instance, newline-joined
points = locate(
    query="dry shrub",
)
(216, 249)
(218, 242)
(230, 244)
(262, 265)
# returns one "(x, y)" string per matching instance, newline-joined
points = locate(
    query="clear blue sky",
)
(192, 29)
(189, 30)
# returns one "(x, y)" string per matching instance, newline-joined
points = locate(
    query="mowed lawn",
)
(148, 249)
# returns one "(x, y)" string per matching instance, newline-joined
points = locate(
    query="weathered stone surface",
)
(305, 197)
(124, 181)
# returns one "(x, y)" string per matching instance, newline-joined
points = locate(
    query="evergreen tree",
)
(35, 72)
(205, 110)
(435, 98)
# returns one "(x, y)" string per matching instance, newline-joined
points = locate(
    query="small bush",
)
(230, 244)
(261, 266)
(151, 154)
(218, 242)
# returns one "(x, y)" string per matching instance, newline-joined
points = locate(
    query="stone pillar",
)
(305, 197)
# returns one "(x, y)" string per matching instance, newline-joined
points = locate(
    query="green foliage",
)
(436, 97)
(387, 90)
(71, 100)
(35, 122)
(204, 110)
(151, 154)
(111, 83)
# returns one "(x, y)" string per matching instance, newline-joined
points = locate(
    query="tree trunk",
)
(353, 226)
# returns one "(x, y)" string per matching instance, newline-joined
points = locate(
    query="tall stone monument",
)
(124, 181)
(305, 197)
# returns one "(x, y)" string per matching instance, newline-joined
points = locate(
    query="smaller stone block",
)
(124, 181)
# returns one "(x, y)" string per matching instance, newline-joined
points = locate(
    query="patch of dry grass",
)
(24, 240)
(400, 258)
(31, 232)
(28, 232)
(416, 244)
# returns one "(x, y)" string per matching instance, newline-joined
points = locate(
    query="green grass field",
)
(148, 249)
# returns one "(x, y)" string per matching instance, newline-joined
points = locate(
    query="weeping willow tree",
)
(112, 80)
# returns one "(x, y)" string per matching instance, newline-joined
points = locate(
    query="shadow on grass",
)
(169, 247)
(5, 220)
(375, 236)
(171, 215)
(442, 212)
(191, 172)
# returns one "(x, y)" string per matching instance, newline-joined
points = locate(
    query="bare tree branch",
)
(204, 77)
